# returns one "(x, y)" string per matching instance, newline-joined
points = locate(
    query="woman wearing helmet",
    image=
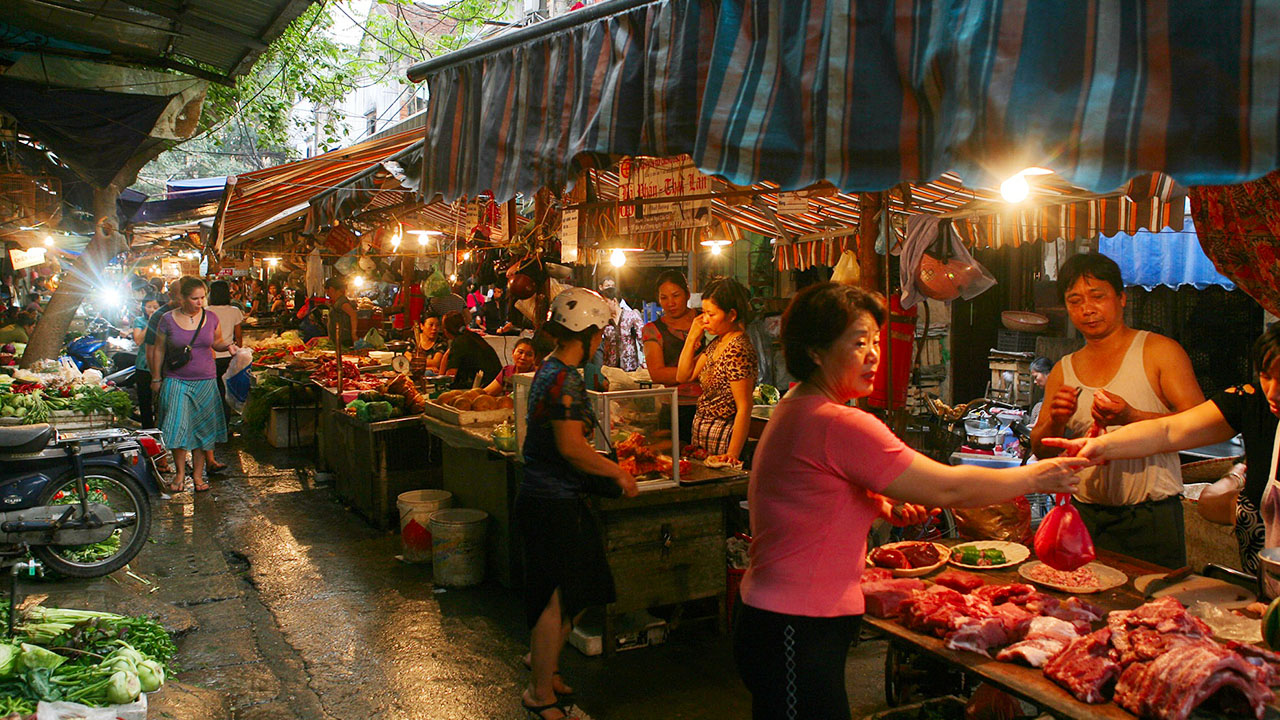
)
(564, 564)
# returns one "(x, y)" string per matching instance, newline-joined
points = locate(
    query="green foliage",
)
(247, 127)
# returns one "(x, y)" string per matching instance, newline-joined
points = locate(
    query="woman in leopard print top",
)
(726, 370)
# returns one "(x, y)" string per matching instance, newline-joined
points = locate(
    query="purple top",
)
(202, 366)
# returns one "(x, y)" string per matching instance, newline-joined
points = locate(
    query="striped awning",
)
(257, 196)
(867, 95)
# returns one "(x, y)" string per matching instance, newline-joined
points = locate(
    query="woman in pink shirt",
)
(816, 486)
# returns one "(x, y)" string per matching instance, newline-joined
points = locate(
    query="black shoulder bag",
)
(601, 485)
(176, 357)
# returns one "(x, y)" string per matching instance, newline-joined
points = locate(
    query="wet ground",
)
(291, 606)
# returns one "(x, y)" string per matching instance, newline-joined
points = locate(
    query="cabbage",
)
(34, 656)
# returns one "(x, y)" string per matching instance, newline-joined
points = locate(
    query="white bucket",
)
(457, 546)
(416, 507)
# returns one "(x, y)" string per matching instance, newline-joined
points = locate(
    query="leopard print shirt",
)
(735, 361)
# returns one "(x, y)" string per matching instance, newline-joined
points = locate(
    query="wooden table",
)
(372, 462)
(1028, 683)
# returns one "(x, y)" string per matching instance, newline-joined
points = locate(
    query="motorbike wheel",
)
(124, 495)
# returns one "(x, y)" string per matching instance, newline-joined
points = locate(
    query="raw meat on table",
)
(1046, 637)
(1188, 674)
(875, 574)
(890, 558)
(1084, 667)
(1013, 592)
(978, 635)
(960, 581)
(884, 598)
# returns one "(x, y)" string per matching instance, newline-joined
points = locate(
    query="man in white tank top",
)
(1121, 376)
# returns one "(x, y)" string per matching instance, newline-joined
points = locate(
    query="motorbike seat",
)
(25, 438)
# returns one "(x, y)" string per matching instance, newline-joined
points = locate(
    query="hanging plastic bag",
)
(237, 380)
(435, 285)
(1008, 521)
(373, 339)
(847, 270)
(1063, 542)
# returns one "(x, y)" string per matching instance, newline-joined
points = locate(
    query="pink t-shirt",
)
(810, 510)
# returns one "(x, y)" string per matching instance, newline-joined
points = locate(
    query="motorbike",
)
(105, 348)
(79, 502)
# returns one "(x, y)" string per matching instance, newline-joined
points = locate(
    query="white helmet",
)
(579, 308)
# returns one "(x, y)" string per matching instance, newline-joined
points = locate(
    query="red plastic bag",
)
(1063, 542)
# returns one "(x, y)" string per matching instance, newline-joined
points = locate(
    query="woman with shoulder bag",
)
(564, 564)
(184, 376)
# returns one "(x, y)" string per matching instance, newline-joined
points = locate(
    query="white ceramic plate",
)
(1215, 592)
(943, 551)
(1108, 577)
(1014, 553)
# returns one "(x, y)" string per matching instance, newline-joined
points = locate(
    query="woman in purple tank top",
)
(190, 408)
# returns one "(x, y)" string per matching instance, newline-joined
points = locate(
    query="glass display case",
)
(642, 426)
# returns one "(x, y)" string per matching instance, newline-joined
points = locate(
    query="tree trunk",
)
(872, 275)
(87, 272)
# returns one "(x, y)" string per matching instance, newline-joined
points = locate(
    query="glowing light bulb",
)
(453, 278)
(618, 258)
(715, 249)
(273, 261)
(48, 241)
(466, 256)
(395, 242)
(1015, 189)
(358, 281)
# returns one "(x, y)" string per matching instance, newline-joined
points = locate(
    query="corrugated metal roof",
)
(214, 39)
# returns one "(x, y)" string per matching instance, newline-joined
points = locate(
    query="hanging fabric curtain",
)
(1239, 229)
(868, 94)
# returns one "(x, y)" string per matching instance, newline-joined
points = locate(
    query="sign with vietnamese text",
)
(665, 180)
(569, 236)
(26, 258)
(792, 203)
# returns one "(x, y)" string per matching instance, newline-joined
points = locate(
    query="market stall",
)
(1014, 661)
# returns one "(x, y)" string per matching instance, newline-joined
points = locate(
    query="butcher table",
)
(1027, 683)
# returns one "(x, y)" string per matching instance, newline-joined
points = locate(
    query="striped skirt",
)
(191, 414)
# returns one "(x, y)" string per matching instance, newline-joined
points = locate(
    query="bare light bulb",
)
(618, 258)
(1015, 189)
(48, 241)
(358, 281)
(715, 249)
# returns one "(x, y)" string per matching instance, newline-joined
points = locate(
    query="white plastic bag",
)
(237, 380)
(847, 270)
(62, 710)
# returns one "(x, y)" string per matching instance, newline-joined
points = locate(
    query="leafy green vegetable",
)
(34, 657)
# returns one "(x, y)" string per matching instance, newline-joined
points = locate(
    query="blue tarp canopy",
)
(1170, 258)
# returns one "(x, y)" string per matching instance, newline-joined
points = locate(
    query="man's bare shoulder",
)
(1161, 348)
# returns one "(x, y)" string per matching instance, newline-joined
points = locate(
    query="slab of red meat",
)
(875, 574)
(1084, 606)
(1185, 676)
(1165, 615)
(1016, 620)
(936, 611)
(884, 598)
(890, 558)
(1046, 637)
(960, 581)
(1142, 644)
(996, 594)
(978, 635)
(921, 554)
(1036, 603)
(1084, 667)
(1267, 662)
(1080, 618)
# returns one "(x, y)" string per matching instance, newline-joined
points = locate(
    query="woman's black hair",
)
(1041, 365)
(219, 293)
(454, 323)
(817, 316)
(526, 341)
(1266, 349)
(729, 295)
(675, 277)
(1094, 265)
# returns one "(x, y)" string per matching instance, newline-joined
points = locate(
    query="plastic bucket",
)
(457, 546)
(416, 508)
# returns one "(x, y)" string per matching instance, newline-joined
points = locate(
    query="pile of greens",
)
(33, 404)
(92, 658)
(273, 392)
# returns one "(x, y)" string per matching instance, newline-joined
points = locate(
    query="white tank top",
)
(1123, 482)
